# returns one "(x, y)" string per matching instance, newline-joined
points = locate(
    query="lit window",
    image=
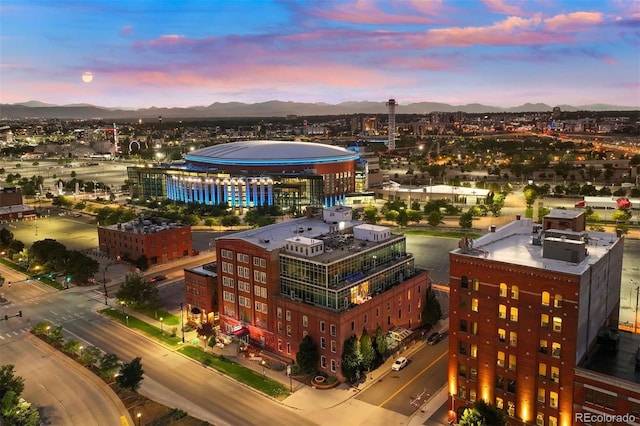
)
(513, 339)
(541, 395)
(476, 284)
(512, 362)
(557, 324)
(540, 419)
(542, 369)
(499, 404)
(511, 408)
(474, 351)
(501, 357)
(553, 399)
(473, 373)
(515, 292)
(513, 314)
(546, 298)
(555, 349)
(557, 301)
(502, 335)
(503, 290)
(542, 347)
(502, 311)
(553, 421)
(544, 321)
(472, 395)
(555, 374)
(474, 305)
(462, 391)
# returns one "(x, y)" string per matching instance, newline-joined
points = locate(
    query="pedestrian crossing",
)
(14, 333)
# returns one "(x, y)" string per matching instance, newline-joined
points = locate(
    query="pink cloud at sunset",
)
(326, 51)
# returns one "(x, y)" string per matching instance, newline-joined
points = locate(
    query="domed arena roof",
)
(257, 153)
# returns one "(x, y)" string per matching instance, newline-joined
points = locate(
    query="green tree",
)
(621, 215)
(380, 343)
(210, 221)
(80, 267)
(109, 363)
(136, 291)
(17, 411)
(367, 350)
(414, 215)
(9, 381)
(466, 220)
(431, 311)
(55, 337)
(351, 359)
(402, 219)
(71, 346)
(530, 195)
(205, 330)
(131, 374)
(371, 214)
(434, 218)
(497, 204)
(229, 221)
(48, 254)
(62, 201)
(90, 355)
(482, 414)
(308, 355)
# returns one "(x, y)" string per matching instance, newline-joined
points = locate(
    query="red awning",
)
(241, 332)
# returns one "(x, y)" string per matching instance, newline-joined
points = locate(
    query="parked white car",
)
(399, 364)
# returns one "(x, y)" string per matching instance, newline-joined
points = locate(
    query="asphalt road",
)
(406, 390)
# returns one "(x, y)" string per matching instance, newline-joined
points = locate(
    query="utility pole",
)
(182, 320)
(635, 324)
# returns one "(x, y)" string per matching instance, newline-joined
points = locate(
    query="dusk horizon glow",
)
(139, 54)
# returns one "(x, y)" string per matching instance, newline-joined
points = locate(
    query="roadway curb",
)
(97, 381)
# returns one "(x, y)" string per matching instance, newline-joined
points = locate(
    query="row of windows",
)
(244, 301)
(514, 293)
(229, 296)
(323, 344)
(228, 282)
(555, 372)
(553, 397)
(323, 363)
(513, 313)
(599, 398)
(244, 258)
(543, 348)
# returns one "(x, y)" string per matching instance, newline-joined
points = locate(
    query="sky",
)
(138, 54)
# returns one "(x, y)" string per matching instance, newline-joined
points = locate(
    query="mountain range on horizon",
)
(33, 109)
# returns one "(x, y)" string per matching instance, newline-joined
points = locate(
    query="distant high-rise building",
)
(392, 123)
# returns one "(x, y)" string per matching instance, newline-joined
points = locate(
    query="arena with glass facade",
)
(288, 174)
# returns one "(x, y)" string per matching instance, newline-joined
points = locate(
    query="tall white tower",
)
(392, 124)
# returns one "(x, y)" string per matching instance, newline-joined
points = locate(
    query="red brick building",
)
(526, 306)
(156, 238)
(325, 276)
(201, 293)
(11, 207)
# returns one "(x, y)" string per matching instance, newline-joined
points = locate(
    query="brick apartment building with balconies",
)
(323, 275)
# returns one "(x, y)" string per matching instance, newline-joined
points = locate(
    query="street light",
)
(138, 416)
(122, 302)
(161, 327)
(264, 372)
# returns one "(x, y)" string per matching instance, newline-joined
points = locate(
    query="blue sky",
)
(185, 53)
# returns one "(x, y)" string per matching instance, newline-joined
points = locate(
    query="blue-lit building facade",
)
(291, 175)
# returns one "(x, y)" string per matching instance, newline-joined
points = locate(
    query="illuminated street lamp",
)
(122, 302)
(138, 416)
(161, 327)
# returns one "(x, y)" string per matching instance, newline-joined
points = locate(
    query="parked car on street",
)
(158, 278)
(399, 364)
(435, 338)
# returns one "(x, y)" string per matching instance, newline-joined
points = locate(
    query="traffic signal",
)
(68, 278)
(20, 314)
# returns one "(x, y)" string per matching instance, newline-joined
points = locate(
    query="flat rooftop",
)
(620, 364)
(337, 244)
(145, 225)
(513, 243)
(208, 269)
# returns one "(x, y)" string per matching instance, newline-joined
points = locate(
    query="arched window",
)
(546, 298)
(515, 292)
(503, 290)
(464, 282)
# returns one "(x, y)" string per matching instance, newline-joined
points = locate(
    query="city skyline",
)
(181, 54)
